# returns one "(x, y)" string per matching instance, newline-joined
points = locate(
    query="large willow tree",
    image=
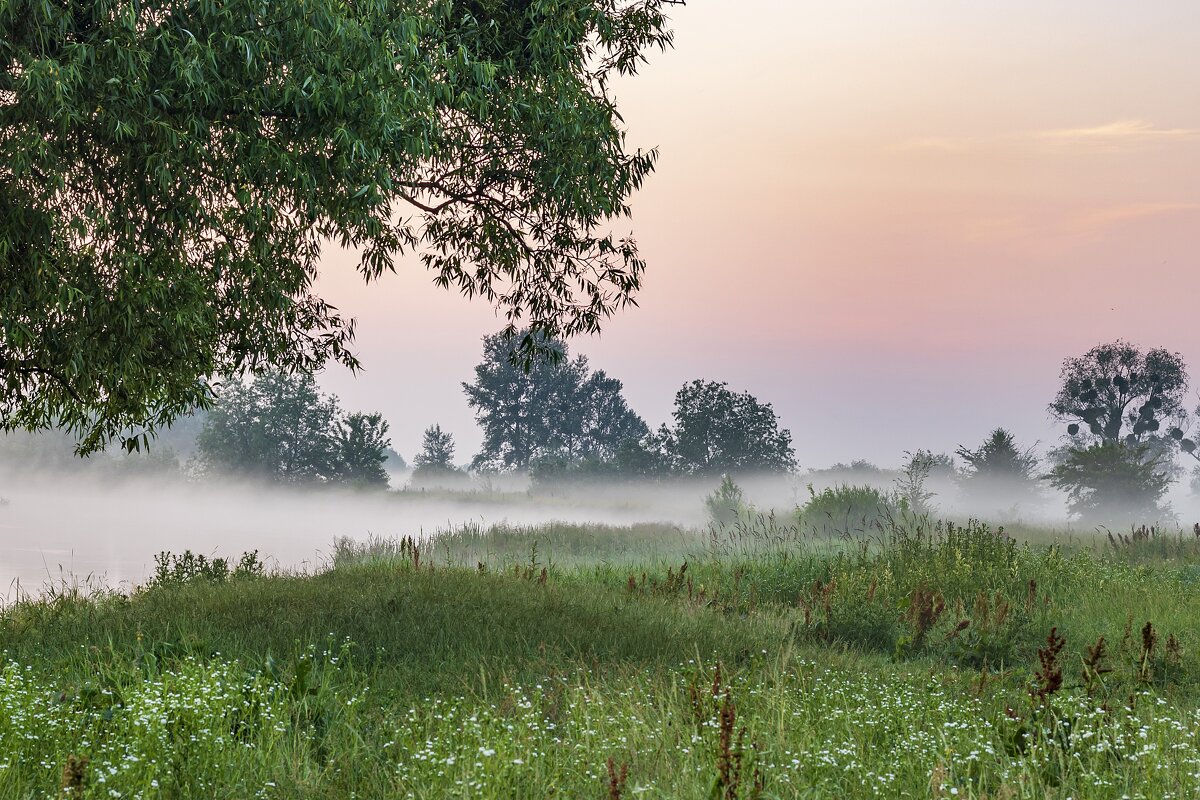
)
(170, 170)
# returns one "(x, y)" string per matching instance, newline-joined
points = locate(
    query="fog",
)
(87, 528)
(98, 529)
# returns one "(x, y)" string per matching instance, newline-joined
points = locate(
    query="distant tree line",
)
(549, 415)
(554, 417)
(559, 420)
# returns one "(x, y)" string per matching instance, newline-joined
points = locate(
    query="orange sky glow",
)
(891, 221)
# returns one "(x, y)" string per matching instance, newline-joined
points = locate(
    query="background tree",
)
(437, 451)
(281, 428)
(1117, 393)
(1000, 470)
(912, 483)
(362, 446)
(719, 431)
(434, 466)
(1118, 402)
(1112, 483)
(170, 170)
(394, 462)
(550, 408)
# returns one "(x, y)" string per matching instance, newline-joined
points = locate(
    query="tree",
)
(719, 431)
(557, 409)
(434, 465)
(437, 450)
(912, 482)
(1112, 483)
(998, 469)
(362, 446)
(393, 461)
(1116, 399)
(170, 170)
(1117, 393)
(281, 428)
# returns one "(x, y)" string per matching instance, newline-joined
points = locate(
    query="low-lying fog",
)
(53, 526)
(79, 526)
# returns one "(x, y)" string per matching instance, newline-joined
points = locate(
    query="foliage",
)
(1117, 393)
(719, 431)
(1112, 482)
(281, 428)
(912, 490)
(171, 170)
(434, 465)
(727, 502)
(54, 452)
(998, 469)
(859, 467)
(362, 444)
(847, 510)
(556, 470)
(437, 450)
(394, 461)
(549, 408)
(173, 570)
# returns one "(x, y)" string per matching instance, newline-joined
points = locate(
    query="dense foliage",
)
(281, 428)
(170, 170)
(1112, 482)
(550, 408)
(717, 430)
(847, 510)
(434, 464)
(1115, 392)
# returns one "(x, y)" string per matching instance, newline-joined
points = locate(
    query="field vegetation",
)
(765, 658)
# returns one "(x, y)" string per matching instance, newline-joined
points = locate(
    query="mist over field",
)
(62, 524)
(55, 526)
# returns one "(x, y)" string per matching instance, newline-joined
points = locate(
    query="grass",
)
(928, 660)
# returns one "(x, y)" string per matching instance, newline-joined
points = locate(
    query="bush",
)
(846, 510)
(727, 504)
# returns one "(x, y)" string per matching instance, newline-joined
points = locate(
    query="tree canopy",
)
(281, 428)
(1118, 393)
(170, 170)
(718, 431)
(1113, 483)
(554, 407)
(433, 466)
(437, 450)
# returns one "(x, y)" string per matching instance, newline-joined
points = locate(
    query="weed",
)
(616, 778)
(173, 570)
(1048, 678)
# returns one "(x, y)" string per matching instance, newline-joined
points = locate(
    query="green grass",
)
(582, 661)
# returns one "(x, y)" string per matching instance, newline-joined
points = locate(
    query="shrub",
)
(727, 504)
(846, 510)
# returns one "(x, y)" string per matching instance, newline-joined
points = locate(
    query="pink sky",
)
(892, 223)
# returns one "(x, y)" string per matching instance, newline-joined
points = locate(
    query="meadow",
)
(757, 659)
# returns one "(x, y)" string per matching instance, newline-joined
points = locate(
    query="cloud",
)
(1119, 136)
(1123, 134)
(1112, 215)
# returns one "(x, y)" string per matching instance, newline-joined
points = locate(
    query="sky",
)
(890, 221)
